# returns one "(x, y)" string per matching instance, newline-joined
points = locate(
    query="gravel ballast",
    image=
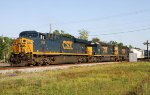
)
(48, 68)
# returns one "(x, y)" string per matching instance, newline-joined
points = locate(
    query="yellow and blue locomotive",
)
(35, 48)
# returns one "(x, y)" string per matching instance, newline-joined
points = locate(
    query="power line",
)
(115, 33)
(124, 28)
(107, 17)
(123, 32)
(50, 28)
(101, 18)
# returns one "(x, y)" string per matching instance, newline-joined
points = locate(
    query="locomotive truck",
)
(36, 48)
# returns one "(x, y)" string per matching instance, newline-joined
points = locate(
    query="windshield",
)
(28, 34)
(32, 34)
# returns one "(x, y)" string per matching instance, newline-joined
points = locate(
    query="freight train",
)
(36, 48)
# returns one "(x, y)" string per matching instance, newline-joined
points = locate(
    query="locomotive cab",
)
(22, 49)
(22, 45)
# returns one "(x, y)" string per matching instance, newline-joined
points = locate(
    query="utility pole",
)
(50, 28)
(147, 44)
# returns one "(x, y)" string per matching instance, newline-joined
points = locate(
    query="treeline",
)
(114, 43)
(5, 47)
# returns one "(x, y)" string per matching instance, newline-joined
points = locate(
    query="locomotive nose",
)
(22, 45)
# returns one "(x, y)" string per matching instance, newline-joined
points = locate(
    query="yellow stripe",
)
(16, 53)
(110, 55)
(104, 55)
(56, 53)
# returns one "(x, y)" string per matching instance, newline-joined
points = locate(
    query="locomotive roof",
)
(31, 31)
(66, 36)
(60, 36)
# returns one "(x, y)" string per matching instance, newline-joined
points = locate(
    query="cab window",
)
(29, 35)
(42, 37)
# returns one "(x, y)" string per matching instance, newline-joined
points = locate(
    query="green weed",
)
(115, 79)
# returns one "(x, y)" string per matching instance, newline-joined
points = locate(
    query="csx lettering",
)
(67, 44)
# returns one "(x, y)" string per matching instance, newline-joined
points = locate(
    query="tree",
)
(62, 33)
(83, 34)
(56, 32)
(130, 46)
(5, 47)
(95, 40)
(113, 43)
(120, 44)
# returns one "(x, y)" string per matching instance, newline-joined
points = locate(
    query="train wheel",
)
(47, 64)
(84, 60)
(38, 64)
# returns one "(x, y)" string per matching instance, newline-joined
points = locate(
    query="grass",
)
(115, 79)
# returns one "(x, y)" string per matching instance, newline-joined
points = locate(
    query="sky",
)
(126, 21)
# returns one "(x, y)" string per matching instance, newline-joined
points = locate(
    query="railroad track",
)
(20, 67)
(8, 69)
(23, 67)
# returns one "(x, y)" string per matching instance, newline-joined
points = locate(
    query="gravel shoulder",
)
(4, 64)
(53, 67)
